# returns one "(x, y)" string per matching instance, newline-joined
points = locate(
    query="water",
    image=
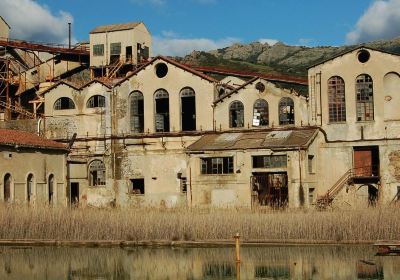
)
(328, 262)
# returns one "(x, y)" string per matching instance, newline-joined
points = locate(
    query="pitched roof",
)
(5, 22)
(293, 138)
(10, 137)
(63, 82)
(349, 51)
(115, 27)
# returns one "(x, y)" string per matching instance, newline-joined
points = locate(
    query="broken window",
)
(50, 186)
(137, 186)
(64, 103)
(310, 164)
(29, 187)
(272, 161)
(137, 112)
(96, 101)
(364, 98)
(188, 107)
(98, 50)
(97, 173)
(260, 113)
(286, 111)
(336, 99)
(217, 165)
(236, 114)
(161, 100)
(7, 187)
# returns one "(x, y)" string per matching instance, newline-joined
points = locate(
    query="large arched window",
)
(364, 98)
(188, 109)
(97, 173)
(236, 114)
(336, 99)
(64, 103)
(50, 188)
(7, 187)
(96, 101)
(286, 111)
(137, 112)
(161, 101)
(260, 113)
(29, 187)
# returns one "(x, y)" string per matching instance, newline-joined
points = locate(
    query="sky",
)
(180, 26)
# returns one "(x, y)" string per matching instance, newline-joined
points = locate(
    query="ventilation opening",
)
(363, 56)
(161, 70)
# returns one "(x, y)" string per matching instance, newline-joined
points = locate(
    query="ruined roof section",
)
(266, 139)
(115, 27)
(10, 137)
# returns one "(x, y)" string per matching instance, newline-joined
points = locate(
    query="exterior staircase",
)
(113, 71)
(18, 110)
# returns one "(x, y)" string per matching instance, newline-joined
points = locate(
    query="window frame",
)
(96, 101)
(236, 106)
(264, 116)
(285, 117)
(337, 112)
(115, 46)
(134, 98)
(100, 168)
(267, 161)
(223, 165)
(59, 104)
(98, 50)
(364, 105)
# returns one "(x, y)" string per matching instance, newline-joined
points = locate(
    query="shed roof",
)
(266, 139)
(11, 137)
(115, 27)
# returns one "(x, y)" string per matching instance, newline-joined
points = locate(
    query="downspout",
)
(320, 96)
(301, 191)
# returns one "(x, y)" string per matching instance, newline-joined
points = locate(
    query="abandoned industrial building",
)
(137, 130)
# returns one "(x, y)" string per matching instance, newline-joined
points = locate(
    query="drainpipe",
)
(38, 126)
(301, 192)
(320, 96)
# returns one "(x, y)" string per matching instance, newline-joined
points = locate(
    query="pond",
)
(300, 262)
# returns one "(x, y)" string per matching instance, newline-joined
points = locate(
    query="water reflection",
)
(331, 262)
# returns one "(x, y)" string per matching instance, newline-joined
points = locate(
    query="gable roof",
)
(13, 138)
(63, 82)
(360, 47)
(290, 138)
(115, 27)
(170, 61)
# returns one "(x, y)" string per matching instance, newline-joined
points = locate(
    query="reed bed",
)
(18, 222)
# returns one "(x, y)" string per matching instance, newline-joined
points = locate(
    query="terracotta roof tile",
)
(10, 137)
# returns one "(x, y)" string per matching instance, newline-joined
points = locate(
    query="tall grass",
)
(17, 222)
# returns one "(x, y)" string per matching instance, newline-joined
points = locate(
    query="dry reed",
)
(18, 222)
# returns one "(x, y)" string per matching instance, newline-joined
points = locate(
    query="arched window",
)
(7, 187)
(161, 101)
(50, 187)
(96, 101)
(260, 113)
(64, 103)
(364, 98)
(336, 99)
(188, 109)
(137, 112)
(29, 187)
(97, 173)
(286, 111)
(236, 114)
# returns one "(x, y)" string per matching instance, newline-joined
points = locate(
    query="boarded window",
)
(161, 100)
(272, 161)
(260, 113)
(97, 173)
(336, 99)
(217, 165)
(364, 98)
(115, 48)
(286, 111)
(96, 101)
(64, 103)
(236, 114)
(137, 112)
(98, 50)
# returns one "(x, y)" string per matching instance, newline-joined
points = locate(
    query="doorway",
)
(372, 195)
(74, 193)
(270, 189)
(366, 161)
(128, 51)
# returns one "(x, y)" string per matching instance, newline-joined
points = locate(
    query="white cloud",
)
(380, 21)
(164, 45)
(270, 42)
(31, 21)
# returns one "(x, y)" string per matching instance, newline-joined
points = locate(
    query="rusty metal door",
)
(362, 163)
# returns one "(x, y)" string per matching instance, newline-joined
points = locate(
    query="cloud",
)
(174, 46)
(270, 42)
(380, 21)
(34, 22)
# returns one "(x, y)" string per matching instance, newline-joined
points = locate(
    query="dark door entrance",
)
(270, 189)
(74, 193)
(128, 53)
(188, 113)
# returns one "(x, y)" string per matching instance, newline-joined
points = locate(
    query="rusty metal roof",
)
(115, 27)
(265, 139)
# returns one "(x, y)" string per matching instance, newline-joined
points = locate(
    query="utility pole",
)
(69, 35)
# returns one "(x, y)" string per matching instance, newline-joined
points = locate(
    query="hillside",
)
(275, 59)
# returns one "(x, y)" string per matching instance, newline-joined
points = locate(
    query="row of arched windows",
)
(66, 103)
(261, 113)
(364, 98)
(7, 184)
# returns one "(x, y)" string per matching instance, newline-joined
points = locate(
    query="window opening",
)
(7, 187)
(97, 173)
(137, 112)
(188, 114)
(50, 186)
(217, 165)
(270, 189)
(260, 113)
(64, 103)
(272, 161)
(137, 186)
(311, 194)
(336, 99)
(310, 164)
(96, 101)
(286, 111)
(236, 114)
(162, 110)
(161, 70)
(364, 98)
(29, 187)
(98, 50)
